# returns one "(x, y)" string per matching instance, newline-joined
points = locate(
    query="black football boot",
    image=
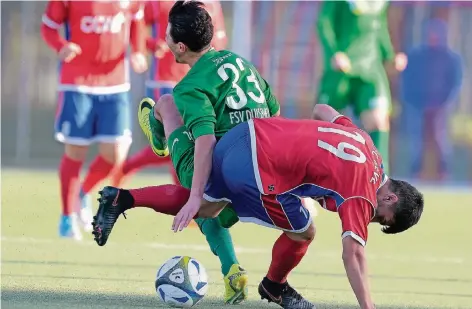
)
(283, 295)
(113, 203)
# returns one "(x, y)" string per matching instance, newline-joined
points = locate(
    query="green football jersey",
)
(220, 91)
(358, 28)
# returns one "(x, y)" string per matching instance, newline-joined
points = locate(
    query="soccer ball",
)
(181, 282)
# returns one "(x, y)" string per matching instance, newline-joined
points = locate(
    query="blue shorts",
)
(232, 179)
(82, 118)
(156, 93)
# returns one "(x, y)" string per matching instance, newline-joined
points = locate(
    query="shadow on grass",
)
(35, 299)
(304, 273)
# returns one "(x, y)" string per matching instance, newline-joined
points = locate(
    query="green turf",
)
(427, 267)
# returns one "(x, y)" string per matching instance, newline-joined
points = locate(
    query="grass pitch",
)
(427, 267)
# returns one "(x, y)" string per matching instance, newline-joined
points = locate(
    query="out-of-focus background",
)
(427, 267)
(285, 48)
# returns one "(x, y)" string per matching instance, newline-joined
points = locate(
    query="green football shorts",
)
(182, 148)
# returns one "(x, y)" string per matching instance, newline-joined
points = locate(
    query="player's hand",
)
(186, 214)
(69, 52)
(401, 61)
(341, 62)
(139, 62)
(161, 49)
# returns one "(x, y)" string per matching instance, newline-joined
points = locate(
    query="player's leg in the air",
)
(74, 128)
(112, 130)
(162, 124)
(145, 157)
(372, 104)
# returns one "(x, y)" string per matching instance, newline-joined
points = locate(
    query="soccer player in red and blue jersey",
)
(93, 93)
(331, 161)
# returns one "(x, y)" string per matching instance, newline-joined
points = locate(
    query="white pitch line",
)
(247, 250)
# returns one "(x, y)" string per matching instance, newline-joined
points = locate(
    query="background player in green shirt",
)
(356, 43)
(220, 91)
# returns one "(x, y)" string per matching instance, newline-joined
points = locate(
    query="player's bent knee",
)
(376, 120)
(165, 99)
(76, 152)
(307, 235)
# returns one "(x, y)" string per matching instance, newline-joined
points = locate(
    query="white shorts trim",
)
(255, 165)
(265, 224)
(208, 198)
(95, 90)
(107, 139)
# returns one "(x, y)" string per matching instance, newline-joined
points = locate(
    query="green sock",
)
(381, 141)
(220, 242)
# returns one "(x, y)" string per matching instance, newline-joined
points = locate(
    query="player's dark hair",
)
(191, 25)
(408, 208)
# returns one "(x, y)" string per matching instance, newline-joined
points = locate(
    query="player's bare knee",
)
(114, 153)
(75, 152)
(310, 233)
(307, 235)
(376, 120)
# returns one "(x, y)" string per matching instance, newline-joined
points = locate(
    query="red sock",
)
(166, 199)
(286, 254)
(69, 171)
(144, 158)
(99, 170)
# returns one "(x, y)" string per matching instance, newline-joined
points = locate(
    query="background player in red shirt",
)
(93, 92)
(165, 72)
(334, 162)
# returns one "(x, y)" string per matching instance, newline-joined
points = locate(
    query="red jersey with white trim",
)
(102, 29)
(166, 72)
(335, 163)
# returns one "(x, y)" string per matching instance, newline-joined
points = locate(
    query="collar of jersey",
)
(207, 55)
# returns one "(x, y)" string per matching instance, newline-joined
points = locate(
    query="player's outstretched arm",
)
(324, 112)
(356, 270)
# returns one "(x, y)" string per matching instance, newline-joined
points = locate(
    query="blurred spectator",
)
(429, 88)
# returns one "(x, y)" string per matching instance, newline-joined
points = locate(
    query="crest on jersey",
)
(124, 4)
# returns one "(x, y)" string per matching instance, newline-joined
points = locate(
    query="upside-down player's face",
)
(177, 49)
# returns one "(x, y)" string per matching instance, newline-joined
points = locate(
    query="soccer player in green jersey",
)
(220, 91)
(356, 43)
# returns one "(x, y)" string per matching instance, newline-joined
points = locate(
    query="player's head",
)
(190, 29)
(400, 206)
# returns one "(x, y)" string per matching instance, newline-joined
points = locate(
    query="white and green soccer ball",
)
(181, 282)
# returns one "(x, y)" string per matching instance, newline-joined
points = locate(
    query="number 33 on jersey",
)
(220, 91)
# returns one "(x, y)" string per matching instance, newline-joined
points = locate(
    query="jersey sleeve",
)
(272, 103)
(355, 215)
(196, 109)
(344, 121)
(55, 15)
